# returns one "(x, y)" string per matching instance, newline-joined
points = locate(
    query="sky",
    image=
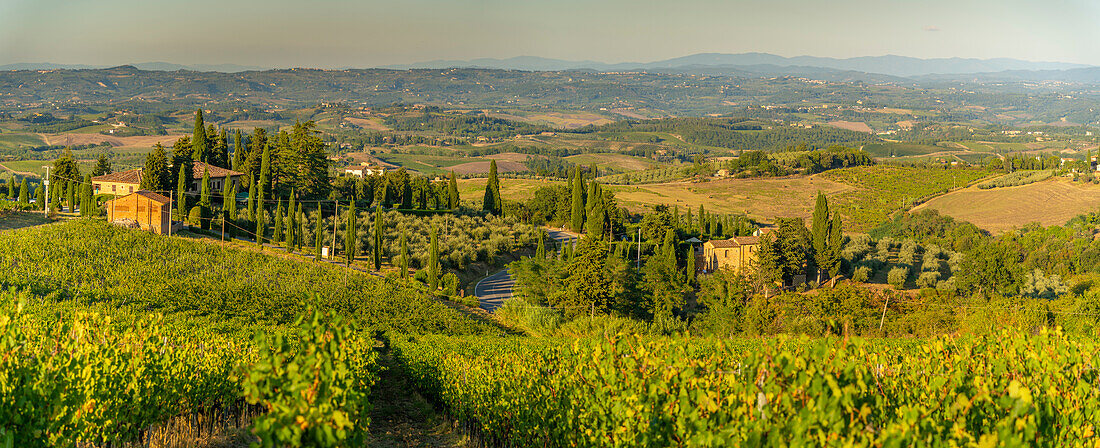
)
(368, 33)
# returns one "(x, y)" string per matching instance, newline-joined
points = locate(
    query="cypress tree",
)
(72, 197)
(229, 207)
(689, 224)
(291, 224)
(404, 256)
(836, 244)
(406, 193)
(689, 265)
(577, 215)
(819, 233)
(540, 251)
(24, 194)
(318, 234)
(221, 149)
(299, 229)
(11, 187)
(492, 202)
(378, 239)
(265, 175)
(702, 219)
(596, 212)
(204, 196)
(86, 200)
(278, 235)
(433, 263)
(181, 193)
(238, 151)
(200, 150)
(452, 192)
(40, 196)
(351, 234)
(251, 205)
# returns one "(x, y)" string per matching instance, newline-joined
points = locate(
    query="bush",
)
(450, 284)
(946, 285)
(862, 274)
(421, 276)
(897, 277)
(199, 217)
(928, 279)
(536, 320)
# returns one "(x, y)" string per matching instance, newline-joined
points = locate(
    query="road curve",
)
(493, 290)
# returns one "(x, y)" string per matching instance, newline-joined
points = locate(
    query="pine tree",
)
(577, 216)
(433, 261)
(278, 235)
(404, 256)
(452, 192)
(351, 234)
(155, 174)
(181, 193)
(318, 234)
(102, 166)
(540, 251)
(819, 233)
(24, 194)
(200, 151)
(378, 239)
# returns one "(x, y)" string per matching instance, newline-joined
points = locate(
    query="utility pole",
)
(46, 186)
(883, 320)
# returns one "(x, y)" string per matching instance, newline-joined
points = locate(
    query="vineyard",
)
(167, 336)
(1006, 389)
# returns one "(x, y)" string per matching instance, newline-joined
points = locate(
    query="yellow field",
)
(621, 162)
(1051, 202)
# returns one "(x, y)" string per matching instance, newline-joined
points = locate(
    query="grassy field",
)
(35, 166)
(1051, 202)
(430, 165)
(511, 189)
(616, 162)
(15, 141)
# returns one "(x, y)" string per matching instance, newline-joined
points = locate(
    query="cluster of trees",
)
(461, 125)
(730, 133)
(759, 163)
(398, 189)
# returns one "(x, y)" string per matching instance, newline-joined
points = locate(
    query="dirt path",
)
(401, 417)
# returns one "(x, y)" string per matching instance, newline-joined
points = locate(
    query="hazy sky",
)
(346, 33)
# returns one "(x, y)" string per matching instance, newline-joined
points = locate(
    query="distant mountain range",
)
(157, 66)
(890, 65)
(889, 68)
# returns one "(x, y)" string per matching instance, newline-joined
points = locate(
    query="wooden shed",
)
(141, 209)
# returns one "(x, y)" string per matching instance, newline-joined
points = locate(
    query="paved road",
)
(493, 290)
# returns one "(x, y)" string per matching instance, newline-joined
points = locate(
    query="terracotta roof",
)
(735, 242)
(215, 171)
(126, 177)
(154, 196)
(159, 198)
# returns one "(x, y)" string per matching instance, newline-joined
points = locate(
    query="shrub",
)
(199, 217)
(450, 284)
(946, 285)
(862, 274)
(928, 279)
(421, 276)
(897, 277)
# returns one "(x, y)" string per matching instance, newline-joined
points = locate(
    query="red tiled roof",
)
(125, 177)
(154, 196)
(215, 171)
(735, 242)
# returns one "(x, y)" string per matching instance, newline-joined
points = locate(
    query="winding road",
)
(493, 290)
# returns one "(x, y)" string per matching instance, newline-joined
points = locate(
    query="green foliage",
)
(897, 277)
(199, 216)
(577, 215)
(587, 282)
(1017, 178)
(620, 390)
(492, 201)
(351, 237)
(314, 386)
(433, 261)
